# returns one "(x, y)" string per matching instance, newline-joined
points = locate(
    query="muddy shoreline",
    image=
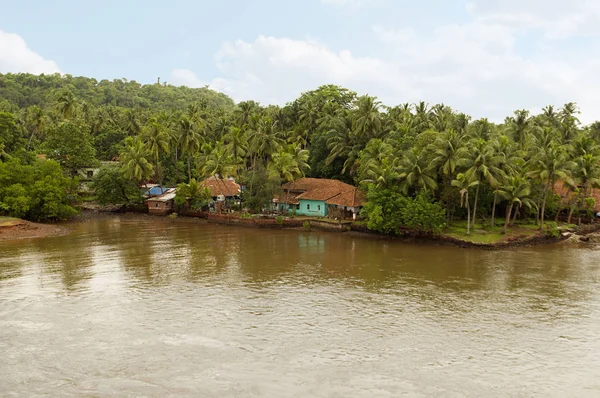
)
(21, 229)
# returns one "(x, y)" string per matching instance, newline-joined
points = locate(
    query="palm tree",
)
(415, 172)
(484, 164)
(368, 121)
(66, 105)
(586, 174)
(190, 140)
(134, 163)
(215, 161)
(464, 185)
(157, 139)
(36, 120)
(549, 165)
(132, 123)
(236, 144)
(516, 191)
(519, 126)
(449, 153)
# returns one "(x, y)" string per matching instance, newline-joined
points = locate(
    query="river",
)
(147, 306)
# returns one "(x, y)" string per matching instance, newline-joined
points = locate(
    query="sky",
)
(486, 58)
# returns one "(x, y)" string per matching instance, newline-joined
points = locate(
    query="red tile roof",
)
(220, 186)
(561, 190)
(332, 192)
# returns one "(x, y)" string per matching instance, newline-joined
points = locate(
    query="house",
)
(163, 204)
(222, 189)
(320, 197)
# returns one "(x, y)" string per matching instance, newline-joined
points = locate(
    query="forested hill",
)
(24, 90)
(397, 152)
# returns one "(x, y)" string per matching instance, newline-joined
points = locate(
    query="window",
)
(297, 207)
(157, 205)
(307, 206)
(90, 174)
(319, 207)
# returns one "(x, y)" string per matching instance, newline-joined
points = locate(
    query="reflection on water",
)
(153, 307)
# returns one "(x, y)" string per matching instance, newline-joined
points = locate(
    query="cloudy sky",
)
(483, 57)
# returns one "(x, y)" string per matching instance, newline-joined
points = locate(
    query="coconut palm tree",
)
(519, 126)
(66, 105)
(551, 163)
(483, 166)
(448, 154)
(215, 161)
(415, 172)
(236, 144)
(516, 191)
(463, 183)
(190, 140)
(368, 121)
(157, 139)
(134, 163)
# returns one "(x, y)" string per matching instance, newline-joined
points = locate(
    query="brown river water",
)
(143, 306)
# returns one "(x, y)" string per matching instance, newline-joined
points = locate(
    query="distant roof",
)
(157, 190)
(221, 186)
(332, 192)
(169, 194)
(561, 190)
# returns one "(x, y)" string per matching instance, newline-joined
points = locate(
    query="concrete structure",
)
(320, 198)
(163, 204)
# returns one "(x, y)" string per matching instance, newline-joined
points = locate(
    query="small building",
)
(320, 197)
(163, 204)
(224, 191)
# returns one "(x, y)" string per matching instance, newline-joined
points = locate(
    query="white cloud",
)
(556, 18)
(393, 35)
(16, 57)
(185, 77)
(479, 67)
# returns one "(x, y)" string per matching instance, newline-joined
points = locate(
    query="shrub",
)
(551, 230)
(306, 225)
(279, 220)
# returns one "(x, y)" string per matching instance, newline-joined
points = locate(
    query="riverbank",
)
(15, 228)
(522, 235)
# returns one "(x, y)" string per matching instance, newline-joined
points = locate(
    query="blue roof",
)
(156, 191)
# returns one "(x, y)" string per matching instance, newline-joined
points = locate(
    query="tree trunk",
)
(189, 168)
(475, 205)
(494, 210)
(570, 214)
(468, 216)
(508, 211)
(544, 207)
(448, 202)
(516, 213)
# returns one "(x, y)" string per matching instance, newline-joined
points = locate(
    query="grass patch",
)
(479, 234)
(8, 221)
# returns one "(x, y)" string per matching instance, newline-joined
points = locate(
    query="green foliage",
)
(279, 220)
(306, 225)
(260, 189)
(383, 210)
(423, 214)
(193, 195)
(36, 192)
(10, 133)
(551, 230)
(111, 187)
(70, 144)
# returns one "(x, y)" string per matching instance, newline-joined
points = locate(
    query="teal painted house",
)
(320, 197)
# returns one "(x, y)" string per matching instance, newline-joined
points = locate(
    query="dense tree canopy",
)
(172, 135)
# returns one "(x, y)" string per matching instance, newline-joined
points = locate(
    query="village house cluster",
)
(316, 197)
